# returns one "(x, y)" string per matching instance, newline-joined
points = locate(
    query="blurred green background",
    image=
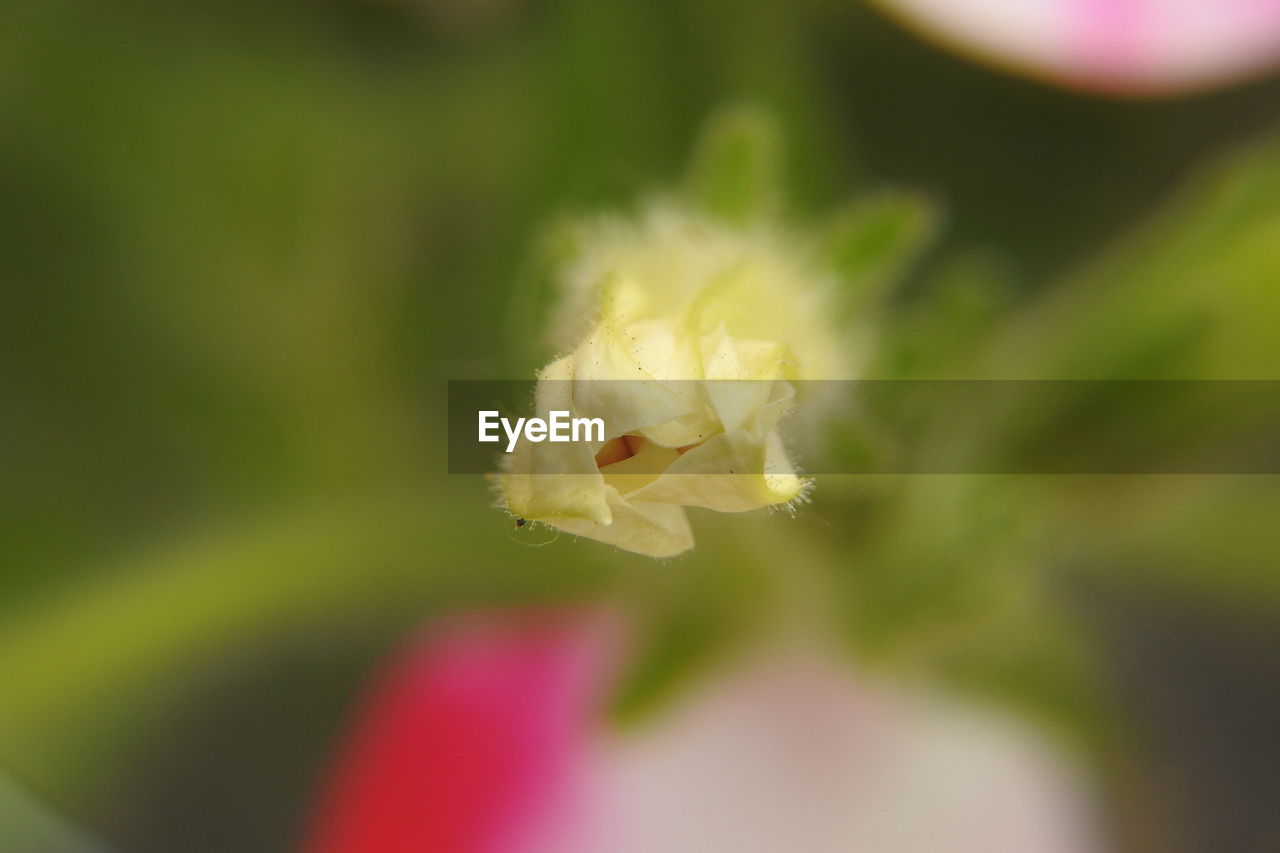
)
(246, 244)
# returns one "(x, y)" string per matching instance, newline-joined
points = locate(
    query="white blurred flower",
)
(1137, 46)
(793, 754)
(662, 320)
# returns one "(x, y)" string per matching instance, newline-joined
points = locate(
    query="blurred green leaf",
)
(85, 671)
(939, 333)
(1205, 541)
(30, 826)
(1191, 295)
(873, 242)
(735, 172)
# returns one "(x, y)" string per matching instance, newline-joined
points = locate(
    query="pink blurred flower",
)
(472, 741)
(1134, 46)
(487, 737)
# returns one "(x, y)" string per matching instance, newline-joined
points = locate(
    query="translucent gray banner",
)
(1141, 427)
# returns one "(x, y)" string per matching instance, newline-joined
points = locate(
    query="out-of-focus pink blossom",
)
(488, 737)
(1133, 46)
(474, 740)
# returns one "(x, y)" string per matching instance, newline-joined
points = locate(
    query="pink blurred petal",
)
(1110, 36)
(1134, 46)
(472, 741)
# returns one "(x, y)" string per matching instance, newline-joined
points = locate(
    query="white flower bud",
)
(662, 319)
